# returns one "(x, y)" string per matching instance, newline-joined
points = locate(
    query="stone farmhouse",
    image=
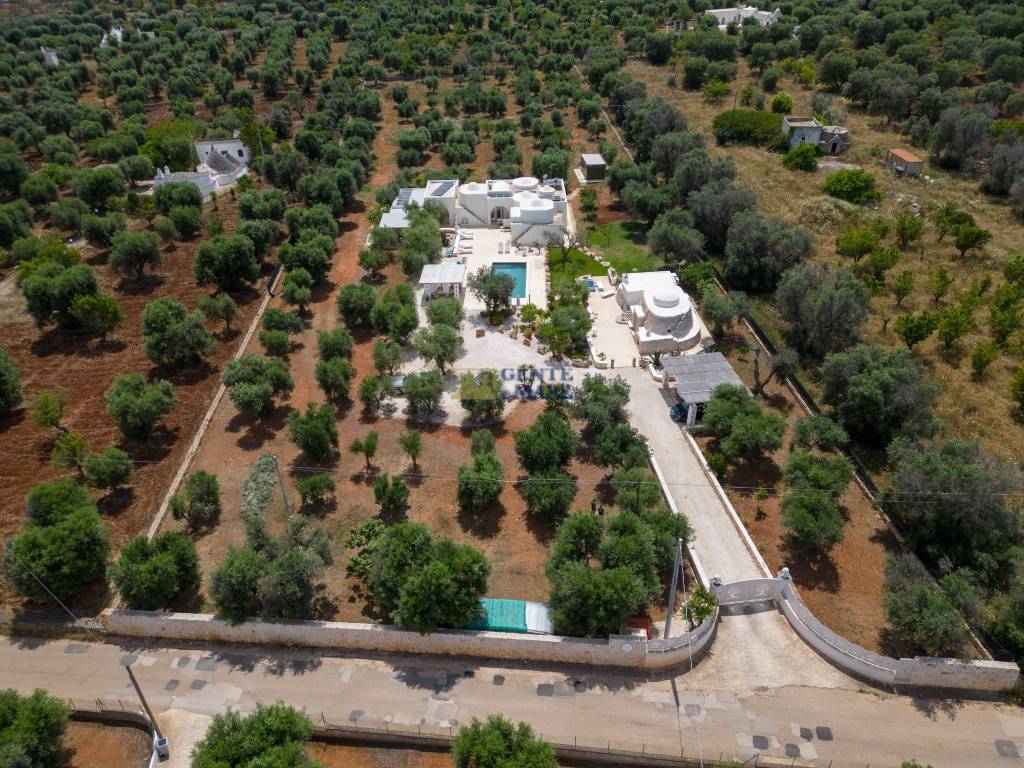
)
(831, 139)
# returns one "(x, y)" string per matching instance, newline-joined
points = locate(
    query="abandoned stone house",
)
(831, 139)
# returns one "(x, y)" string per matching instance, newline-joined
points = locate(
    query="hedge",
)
(747, 126)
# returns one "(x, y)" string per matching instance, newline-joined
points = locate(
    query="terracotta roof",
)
(906, 157)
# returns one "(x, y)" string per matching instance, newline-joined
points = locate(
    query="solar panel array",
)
(443, 188)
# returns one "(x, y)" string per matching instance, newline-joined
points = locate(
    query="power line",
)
(56, 599)
(904, 496)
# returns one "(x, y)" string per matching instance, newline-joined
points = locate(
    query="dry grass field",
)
(969, 409)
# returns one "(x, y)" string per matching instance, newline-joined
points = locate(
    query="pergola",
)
(439, 280)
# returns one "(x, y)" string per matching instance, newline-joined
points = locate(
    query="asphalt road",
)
(699, 712)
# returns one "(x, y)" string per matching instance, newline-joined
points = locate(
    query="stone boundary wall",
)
(617, 651)
(919, 672)
(635, 652)
(847, 656)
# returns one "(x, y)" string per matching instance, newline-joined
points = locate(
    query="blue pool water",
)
(518, 273)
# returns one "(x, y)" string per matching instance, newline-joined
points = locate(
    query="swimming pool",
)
(518, 272)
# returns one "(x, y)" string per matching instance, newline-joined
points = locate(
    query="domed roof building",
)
(659, 312)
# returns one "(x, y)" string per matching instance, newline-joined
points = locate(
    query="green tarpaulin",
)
(502, 616)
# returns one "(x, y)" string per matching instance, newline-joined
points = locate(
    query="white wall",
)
(617, 650)
(919, 672)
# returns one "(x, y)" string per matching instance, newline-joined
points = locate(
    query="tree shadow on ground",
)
(156, 447)
(12, 419)
(130, 285)
(98, 258)
(757, 473)
(58, 341)
(884, 536)
(187, 601)
(542, 528)
(257, 430)
(108, 347)
(116, 501)
(324, 607)
(482, 525)
(182, 378)
(359, 592)
(322, 291)
(247, 296)
(437, 679)
(813, 570)
(933, 708)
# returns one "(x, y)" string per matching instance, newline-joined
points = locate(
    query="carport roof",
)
(698, 375)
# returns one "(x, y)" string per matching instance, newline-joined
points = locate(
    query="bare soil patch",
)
(348, 756)
(97, 745)
(51, 358)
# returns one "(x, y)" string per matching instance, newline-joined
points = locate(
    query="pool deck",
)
(486, 244)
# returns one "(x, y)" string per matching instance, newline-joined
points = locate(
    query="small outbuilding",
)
(696, 378)
(904, 163)
(442, 280)
(594, 167)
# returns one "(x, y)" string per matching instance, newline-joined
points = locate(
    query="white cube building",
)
(660, 313)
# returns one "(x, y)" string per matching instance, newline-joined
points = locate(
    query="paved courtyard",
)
(493, 350)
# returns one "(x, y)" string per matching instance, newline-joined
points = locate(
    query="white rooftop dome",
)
(473, 188)
(500, 186)
(537, 204)
(520, 196)
(524, 183)
(666, 299)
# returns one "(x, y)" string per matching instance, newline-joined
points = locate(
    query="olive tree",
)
(825, 308)
(136, 405)
(173, 336)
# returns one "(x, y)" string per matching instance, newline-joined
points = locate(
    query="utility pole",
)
(672, 590)
(284, 493)
(161, 741)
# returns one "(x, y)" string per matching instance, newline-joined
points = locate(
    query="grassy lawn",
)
(576, 265)
(624, 244)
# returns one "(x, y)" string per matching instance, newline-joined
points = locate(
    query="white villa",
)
(534, 211)
(727, 16)
(659, 313)
(222, 162)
